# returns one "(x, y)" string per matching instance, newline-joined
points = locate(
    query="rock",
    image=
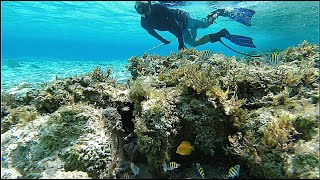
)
(10, 173)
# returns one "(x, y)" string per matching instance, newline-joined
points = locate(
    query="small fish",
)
(234, 172)
(200, 170)
(206, 54)
(274, 58)
(185, 148)
(172, 166)
(135, 169)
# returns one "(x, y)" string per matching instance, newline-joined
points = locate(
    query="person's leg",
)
(193, 33)
(211, 37)
(194, 24)
(188, 38)
(202, 40)
(217, 36)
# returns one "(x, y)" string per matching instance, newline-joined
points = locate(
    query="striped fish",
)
(234, 172)
(274, 58)
(200, 170)
(170, 167)
(206, 54)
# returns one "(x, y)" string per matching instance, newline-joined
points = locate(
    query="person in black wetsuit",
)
(180, 24)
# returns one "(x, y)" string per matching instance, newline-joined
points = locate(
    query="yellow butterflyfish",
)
(185, 148)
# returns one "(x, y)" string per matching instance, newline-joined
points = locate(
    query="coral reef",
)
(263, 117)
(54, 134)
(70, 134)
(253, 112)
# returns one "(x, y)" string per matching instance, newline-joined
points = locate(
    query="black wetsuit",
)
(165, 19)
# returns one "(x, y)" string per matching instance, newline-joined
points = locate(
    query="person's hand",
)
(165, 42)
(222, 12)
(212, 18)
(215, 16)
(218, 12)
(181, 46)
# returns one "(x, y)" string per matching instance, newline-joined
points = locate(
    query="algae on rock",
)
(263, 117)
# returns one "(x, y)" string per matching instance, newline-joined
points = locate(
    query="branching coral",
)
(97, 74)
(305, 52)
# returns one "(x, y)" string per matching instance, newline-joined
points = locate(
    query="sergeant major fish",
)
(206, 54)
(274, 58)
(234, 172)
(170, 167)
(200, 170)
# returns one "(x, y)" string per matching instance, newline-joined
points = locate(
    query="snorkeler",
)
(184, 27)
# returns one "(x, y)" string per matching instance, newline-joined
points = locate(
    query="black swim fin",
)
(241, 40)
(241, 15)
(236, 39)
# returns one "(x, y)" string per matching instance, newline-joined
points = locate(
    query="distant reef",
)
(232, 111)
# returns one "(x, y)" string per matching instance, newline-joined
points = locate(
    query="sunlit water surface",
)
(42, 40)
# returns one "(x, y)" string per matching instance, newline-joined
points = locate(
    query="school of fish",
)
(185, 149)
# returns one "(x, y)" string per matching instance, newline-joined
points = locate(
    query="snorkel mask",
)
(143, 8)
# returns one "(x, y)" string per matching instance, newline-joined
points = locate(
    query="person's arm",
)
(178, 34)
(153, 33)
(176, 29)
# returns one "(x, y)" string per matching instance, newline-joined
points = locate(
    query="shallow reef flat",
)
(232, 111)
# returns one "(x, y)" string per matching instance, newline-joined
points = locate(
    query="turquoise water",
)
(41, 40)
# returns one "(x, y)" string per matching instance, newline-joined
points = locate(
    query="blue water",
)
(44, 39)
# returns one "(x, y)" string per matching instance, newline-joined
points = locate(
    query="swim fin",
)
(241, 15)
(236, 39)
(241, 40)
